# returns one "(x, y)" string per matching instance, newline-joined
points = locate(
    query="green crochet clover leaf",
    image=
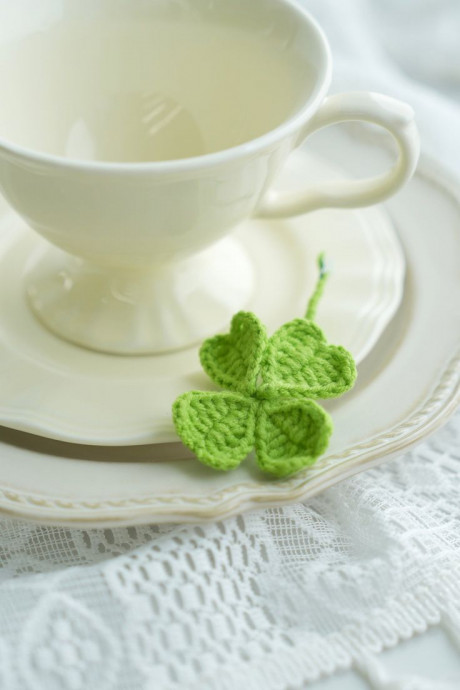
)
(269, 402)
(299, 362)
(290, 435)
(233, 361)
(218, 427)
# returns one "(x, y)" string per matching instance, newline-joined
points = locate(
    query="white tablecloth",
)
(276, 599)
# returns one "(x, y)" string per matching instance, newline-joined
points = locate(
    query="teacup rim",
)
(208, 160)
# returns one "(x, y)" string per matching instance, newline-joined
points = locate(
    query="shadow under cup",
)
(134, 136)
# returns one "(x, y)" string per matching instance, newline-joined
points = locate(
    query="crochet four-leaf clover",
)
(268, 404)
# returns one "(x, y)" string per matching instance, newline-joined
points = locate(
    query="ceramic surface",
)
(52, 388)
(407, 387)
(133, 224)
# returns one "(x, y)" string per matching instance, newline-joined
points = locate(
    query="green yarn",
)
(299, 362)
(218, 427)
(320, 285)
(271, 385)
(233, 361)
(290, 435)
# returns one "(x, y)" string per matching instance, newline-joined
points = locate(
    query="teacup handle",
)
(392, 115)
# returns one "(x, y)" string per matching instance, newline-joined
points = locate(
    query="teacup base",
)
(139, 312)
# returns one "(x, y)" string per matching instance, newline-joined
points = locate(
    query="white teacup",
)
(136, 134)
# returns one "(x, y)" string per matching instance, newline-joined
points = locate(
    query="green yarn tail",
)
(319, 289)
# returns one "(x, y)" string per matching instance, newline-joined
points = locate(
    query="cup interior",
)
(152, 80)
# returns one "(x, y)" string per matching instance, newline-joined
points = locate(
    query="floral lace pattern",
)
(272, 599)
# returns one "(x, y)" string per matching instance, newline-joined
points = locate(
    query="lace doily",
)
(273, 599)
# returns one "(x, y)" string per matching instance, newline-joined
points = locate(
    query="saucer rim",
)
(244, 497)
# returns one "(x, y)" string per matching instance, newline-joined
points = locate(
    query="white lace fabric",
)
(270, 600)
(275, 599)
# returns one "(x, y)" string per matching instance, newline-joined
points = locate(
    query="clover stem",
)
(319, 289)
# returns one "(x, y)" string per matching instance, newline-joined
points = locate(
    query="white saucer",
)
(52, 388)
(407, 387)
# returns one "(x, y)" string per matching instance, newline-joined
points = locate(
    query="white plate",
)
(52, 388)
(407, 387)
